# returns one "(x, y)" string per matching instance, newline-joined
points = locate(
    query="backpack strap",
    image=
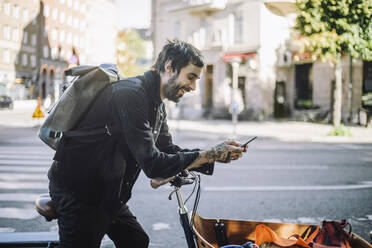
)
(110, 130)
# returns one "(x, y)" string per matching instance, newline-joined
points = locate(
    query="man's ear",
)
(168, 66)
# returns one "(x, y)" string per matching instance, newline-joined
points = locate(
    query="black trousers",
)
(84, 225)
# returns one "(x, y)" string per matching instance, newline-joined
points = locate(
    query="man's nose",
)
(193, 86)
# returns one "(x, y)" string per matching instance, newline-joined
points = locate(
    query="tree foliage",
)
(329, 28)
(131, 48)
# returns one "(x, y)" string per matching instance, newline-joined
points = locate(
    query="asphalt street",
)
(276, 180)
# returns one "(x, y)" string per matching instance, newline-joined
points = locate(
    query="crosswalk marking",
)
(23, 176)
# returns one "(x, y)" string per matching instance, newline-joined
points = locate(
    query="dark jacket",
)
(103, 168)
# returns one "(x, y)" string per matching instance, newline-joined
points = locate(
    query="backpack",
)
(76, 99)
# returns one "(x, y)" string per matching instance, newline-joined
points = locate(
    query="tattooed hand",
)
(225, 152)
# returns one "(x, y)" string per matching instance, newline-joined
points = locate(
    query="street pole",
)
(234, 105)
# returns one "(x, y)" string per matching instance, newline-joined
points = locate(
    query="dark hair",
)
(180, 54)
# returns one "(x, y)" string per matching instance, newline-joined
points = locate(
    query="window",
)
(25, 15)
(54, 34)
(24, 59)
(76, 5)
(82, 26)
(82, 42)
(6, 56)
(76, 23)
(69, 20)
(33, 61)
(55, 14)
(238, 27)
(69, 38)
(46, 11)
(62, 1)
(46, 52)
(15, 11)
(54, 53)
(34, 18)
(62, 36)
(69, 3)
(7, 8)
(76, 40)
(15, 34)
(6, 33)
(16, 61)
(46, 28)
(33, 39)
(62, 17)
(83, 8)
(25, 37)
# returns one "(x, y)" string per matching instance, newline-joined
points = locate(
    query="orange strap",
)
(265, 234)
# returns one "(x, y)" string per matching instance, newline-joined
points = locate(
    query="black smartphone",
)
(249, 141)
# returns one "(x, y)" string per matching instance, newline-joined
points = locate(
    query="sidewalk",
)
(281, 130)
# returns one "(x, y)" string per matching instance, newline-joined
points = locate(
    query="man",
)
(92, 176)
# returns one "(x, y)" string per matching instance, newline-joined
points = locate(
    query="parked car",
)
(6, 102)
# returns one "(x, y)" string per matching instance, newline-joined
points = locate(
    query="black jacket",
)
(104, 167)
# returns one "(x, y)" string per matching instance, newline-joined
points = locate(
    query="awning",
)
(243, 56)
(281, 7)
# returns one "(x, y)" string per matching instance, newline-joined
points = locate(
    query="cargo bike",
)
(199, 232)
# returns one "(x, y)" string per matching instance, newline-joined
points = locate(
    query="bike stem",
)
(184, 219)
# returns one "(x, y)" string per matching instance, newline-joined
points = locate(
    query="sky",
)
(134, 13)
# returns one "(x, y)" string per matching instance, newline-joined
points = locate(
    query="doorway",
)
(304, 86)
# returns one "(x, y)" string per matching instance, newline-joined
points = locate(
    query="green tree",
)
(331, 28)
(131, 48)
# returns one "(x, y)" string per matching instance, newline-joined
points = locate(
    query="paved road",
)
(275, 181)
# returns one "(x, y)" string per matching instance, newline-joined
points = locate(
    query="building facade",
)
(248, 47)
(39, 40)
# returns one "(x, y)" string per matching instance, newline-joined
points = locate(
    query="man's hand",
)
(225, 152)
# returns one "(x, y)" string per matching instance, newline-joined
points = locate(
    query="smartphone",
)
(249, 141)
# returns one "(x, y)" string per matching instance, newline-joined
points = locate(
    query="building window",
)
(16, 55)
(46, 52)
(24, 59)
(62, 36)
(76, 41)
(54, 34)
(83, 8)
(15, 11)
(54, 53)
(76, 5)
(46, 11)
(55, 14)
(69, 38)
(6, 56)
(82, 42)
(82, 26)
(25, 37)
(238, 27)
(25, 15)
(7, 8)
(33, 39)
(15, 34)
(33, 61)
(69, 3)
(62, 17)
(76, 23)
(46, 28)
(69, 20)
(6, 33)
(62, 1)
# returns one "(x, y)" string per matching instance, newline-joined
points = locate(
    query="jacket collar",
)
(152, 79)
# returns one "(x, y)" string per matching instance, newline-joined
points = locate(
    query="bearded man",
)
(92, 176)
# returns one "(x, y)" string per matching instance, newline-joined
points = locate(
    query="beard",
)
(171, 89)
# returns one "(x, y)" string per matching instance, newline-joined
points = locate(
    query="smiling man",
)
(92, 176)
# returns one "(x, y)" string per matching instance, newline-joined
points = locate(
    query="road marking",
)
(18, 213)
(24, 168)
(24, 162)
(22, 176)
(160, 226)
(23, 185)
(24, 156)
(274, 167)
(363, 185)
(19, 197)
(7, 229)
